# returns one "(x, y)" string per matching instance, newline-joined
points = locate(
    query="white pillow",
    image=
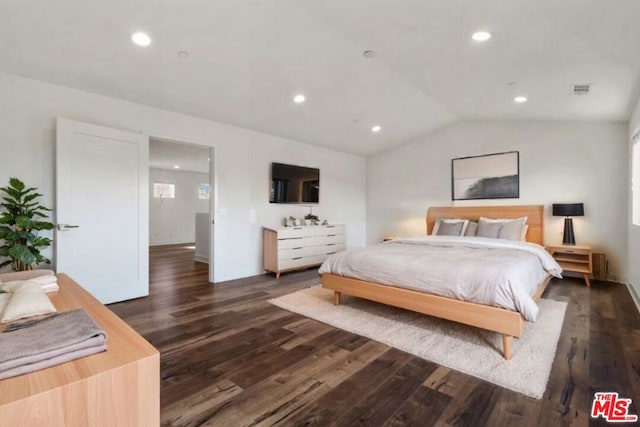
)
(27, 300)
(436, 227)
(513, 228)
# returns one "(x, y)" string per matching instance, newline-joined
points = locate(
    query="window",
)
(203, 191)
(164, 190)
(635, 179)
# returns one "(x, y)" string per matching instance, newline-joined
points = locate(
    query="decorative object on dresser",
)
(293, 248)
(574, 259)
(568, 210)
(491, 176)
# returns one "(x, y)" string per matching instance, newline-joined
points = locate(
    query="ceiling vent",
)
(581, 89)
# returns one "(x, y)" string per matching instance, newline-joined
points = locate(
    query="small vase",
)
(307, 222)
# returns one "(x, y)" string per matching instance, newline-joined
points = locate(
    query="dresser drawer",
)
(330, 239)
(292, 232)
(330, 249)
(300, 262)
(329, 230)
(296, 252)
(298, 242)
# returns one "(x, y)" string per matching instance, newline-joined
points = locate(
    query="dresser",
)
(293, 248)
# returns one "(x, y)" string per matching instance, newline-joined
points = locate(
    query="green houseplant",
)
(21, 219)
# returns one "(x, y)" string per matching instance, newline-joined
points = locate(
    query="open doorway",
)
(180, 206)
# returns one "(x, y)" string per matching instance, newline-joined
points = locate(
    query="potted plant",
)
(311, 219)
(21, 219)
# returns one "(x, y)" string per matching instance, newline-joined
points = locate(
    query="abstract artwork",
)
(491, 176)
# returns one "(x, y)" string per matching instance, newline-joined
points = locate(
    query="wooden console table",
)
(119, 387)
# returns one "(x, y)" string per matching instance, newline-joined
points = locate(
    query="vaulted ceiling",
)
(248, 58)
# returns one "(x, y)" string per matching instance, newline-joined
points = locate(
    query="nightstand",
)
(576, 259)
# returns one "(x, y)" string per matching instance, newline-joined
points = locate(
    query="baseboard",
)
(634, 296)
(201, 258)
(171, 242)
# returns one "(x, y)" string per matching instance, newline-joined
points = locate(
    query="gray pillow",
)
(511, 230)
(450, 229)
(489, 229)
(472, 229)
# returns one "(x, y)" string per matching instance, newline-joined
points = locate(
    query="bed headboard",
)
(534, 214)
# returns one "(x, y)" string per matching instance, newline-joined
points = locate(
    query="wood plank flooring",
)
(230, 358)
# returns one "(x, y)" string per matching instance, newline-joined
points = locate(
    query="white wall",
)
(241, 162)
(634, 230)
(174, 220)
(559, 162)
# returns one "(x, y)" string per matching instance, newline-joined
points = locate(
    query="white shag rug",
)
(466, 349)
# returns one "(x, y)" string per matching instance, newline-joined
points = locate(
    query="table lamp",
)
(568, 210)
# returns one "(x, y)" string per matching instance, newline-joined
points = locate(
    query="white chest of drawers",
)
(292, 248)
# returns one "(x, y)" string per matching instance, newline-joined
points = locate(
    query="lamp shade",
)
(568, 209)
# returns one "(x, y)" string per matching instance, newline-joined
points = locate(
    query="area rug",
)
(466, 349)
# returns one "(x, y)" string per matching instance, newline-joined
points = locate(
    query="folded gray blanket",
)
(48, 342)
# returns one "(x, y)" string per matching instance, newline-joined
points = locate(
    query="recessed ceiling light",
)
(176, 167)
(183, 54)
(481, 36)
(299, 99)
(376, 128)
(368, 54)
(141, 39)
(520, 99)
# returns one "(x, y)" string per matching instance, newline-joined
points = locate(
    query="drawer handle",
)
(299, 257)
(331, 226)
(330, 235)
(330, 253)
(331, 244)
(299, 247)
(569, 251)
(297, 228)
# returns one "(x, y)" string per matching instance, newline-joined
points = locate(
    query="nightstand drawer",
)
(572, 251)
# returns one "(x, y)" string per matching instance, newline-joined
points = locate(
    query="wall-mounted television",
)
(294, 184)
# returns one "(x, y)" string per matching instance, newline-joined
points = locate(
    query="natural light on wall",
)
(635, 179)
(203, 191)
(164, 190)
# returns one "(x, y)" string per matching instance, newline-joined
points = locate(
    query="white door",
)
(102, 233)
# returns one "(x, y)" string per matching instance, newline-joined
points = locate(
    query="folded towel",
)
(48, 282)
(54, 340)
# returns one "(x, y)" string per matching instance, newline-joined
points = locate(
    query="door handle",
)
(65, 227)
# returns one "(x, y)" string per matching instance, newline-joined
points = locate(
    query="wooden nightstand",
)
(576, 259)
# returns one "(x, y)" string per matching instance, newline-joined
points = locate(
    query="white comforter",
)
(493, 272)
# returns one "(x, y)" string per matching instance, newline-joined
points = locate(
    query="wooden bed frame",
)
(506, 322)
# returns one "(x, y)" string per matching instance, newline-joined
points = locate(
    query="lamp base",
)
(568, 238)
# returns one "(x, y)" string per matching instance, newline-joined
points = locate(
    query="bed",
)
(508, 322)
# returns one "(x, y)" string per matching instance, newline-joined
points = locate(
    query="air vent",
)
(581, 89)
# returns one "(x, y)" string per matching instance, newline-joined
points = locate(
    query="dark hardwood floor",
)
(230, 358)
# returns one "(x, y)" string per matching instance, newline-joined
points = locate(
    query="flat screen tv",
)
(294, 184)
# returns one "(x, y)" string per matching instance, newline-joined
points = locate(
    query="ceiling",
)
(167, 155)
(248, 58)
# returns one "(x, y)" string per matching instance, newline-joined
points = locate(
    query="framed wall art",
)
(491, 176)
